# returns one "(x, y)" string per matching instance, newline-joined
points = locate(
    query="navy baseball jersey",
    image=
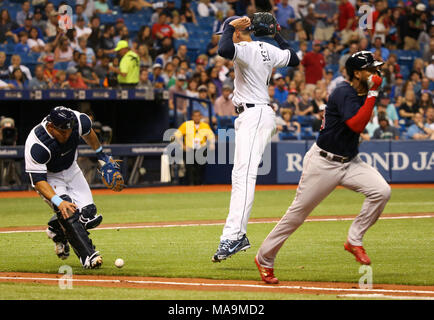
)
(43, 153)
(335, 136)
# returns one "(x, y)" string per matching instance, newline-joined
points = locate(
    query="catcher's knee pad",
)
(89, 218)
(79, 239)
(54, 230)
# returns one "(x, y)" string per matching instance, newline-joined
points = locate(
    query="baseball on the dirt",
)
(119, 263)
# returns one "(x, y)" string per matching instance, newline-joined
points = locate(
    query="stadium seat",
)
(307, 134)
(288, 136)
(225, 122)
(304, 121)
(61, 65)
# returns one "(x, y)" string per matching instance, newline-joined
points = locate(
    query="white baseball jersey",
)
(253, 64)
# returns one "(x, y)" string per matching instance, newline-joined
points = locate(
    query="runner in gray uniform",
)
(333, 161)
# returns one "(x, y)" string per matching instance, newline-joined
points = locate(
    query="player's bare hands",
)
(67, 209)
(241, 23)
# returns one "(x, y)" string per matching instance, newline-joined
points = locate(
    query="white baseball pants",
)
(253, 131)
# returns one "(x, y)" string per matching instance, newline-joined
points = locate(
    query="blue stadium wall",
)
(397, 161)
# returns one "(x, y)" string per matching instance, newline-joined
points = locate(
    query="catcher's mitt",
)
(263, 24)
(111, 175)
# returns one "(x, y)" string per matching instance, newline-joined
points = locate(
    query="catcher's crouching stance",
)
(50, 156)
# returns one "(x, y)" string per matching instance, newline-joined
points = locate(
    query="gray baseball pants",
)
(319, 178)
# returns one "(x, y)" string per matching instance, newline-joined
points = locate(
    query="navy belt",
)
(240, 109)
(335, 157)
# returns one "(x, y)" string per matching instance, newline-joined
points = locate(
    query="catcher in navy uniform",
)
(51, 162)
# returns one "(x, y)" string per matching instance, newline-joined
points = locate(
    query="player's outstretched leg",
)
(79, 239)
(55, 233)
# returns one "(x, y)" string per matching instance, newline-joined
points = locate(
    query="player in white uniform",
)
(50, 158)
(253, 63)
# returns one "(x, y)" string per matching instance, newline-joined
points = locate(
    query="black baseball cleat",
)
(62, 250)
(228, 248)
(92, 262)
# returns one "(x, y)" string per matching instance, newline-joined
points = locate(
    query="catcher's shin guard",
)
(79, 239)
(55, 233)
(88, 217)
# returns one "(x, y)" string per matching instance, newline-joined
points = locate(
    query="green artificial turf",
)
(123, 208)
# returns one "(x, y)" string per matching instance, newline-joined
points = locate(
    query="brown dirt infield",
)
(198, 284)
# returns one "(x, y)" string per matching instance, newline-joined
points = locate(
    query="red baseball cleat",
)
(358, 252)
(267, 274)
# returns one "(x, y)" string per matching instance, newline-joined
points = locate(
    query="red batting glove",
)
(374, 83)
(278, 28)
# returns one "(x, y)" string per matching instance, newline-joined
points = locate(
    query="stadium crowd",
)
(102, 50)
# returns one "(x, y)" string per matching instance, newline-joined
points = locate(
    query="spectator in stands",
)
(182, 53)
(124, 34)
(168, 75)
(286, 124)
(408, 106)
(144, 36)
(6, 27)
(79, 13)
(206, 8)
(192, 86)
(35, 44)
(16, 63)
(385, 131)
(161, 29)
(194, 136)
(18, 79)
(419, 67)
(165, 56)
(291, 101)
(212, 46)
(304, 106)
(87, 74)
(133, 5)
(230, 77)
(102, 7)
(429, 71)
(313, 63)
(5, 85)
(302, 50)
(326, 13)
(179, 30)
(420, 130)
(214, 78)
(223, 105)
(155, 77)
(25, 11)
(280, 89)
(94, 39)
(49, 71)
(107, 43)
(22, 47)
(52, 28)
(382, 27)
(397, 87)
(63, 51)
(144, 83)
(82, 28)
(170, 9)
(28, 25)
(38, 81)
(429, 115)
(212, 92)
(319, 98)
(285, 16)
(384, 106)
(412, 27)
(71, 34)
(222, 6)
(75, 80)
(102, 70)
(428, 52)
(300, 33)
(38, 20)
(145, 57)
(75, 59)
(378, 45)
(187, 13)
(347, 23)
(202, 106)
(4, 71)
(181, 103)
(426, 101)
(87, 51)
(353, 48)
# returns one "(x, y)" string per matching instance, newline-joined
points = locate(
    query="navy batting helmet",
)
(62, 118)
(359, 61)
(226, 23)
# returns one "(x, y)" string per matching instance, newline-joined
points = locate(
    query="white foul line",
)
(145, 226)
(199, 284)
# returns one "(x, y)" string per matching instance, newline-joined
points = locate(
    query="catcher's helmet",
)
(226, 23)
(359, 61)
(62, 118)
